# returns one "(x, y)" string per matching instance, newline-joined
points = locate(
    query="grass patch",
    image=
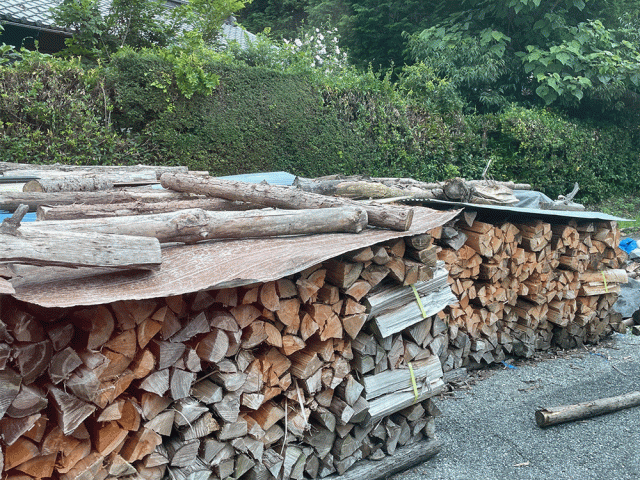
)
(626, 206)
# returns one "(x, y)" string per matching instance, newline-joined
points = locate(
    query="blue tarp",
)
(628, 245)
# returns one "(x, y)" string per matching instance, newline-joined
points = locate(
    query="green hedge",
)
(552, 152)
(51, 112)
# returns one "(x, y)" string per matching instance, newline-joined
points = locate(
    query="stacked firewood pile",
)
(270, 380)
(523, 287)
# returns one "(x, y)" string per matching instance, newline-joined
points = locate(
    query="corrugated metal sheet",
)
(514, 212)
(191, 268)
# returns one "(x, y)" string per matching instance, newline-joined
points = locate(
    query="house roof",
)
(37, 14)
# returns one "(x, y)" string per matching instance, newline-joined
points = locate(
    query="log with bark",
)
(11, 200)
(546, 417)
(11, 169)
(386, 216)
(190, 226)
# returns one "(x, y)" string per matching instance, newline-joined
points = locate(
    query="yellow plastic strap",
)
(413, 382)
(606, 288)
(419, 300)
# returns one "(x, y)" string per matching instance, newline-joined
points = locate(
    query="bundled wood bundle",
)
(259, 381)
(522, 287)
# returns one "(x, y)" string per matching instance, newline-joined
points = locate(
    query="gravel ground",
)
(489, 430)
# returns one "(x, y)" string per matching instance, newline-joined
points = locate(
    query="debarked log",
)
(546, 417)
(385, 216)
(190, 226)
(80, 249)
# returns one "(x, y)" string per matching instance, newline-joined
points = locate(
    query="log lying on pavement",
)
(385, 216)
(190, 226)
(11, 200)
(77, 211)
(546, 417)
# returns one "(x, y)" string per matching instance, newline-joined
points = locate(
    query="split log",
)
(190, 226)
(568, 413)
(393, 217)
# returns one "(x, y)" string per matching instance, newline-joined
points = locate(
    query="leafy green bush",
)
(53, 110)
(551, 152)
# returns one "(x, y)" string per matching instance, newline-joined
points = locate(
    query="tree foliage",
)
(139, 24)
(565, 52)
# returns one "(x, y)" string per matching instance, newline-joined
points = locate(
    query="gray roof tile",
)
(37, 13)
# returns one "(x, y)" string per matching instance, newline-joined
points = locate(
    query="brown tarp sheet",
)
(217, 264)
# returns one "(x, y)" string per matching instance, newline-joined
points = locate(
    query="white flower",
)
(298, 42)
(320, 36)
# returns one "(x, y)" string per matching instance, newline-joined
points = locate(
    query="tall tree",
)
(569, 52)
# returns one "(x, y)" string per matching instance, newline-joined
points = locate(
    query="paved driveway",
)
(489, 431)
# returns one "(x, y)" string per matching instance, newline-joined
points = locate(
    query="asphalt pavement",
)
(489, 429)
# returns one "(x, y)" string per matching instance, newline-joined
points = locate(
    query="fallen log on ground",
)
(385, 216)
(78, 211)
(546, 417)
(11, 200)
(195, 225)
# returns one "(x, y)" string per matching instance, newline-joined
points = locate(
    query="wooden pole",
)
(75, 249)
(191, 226)
(568, 413)
(385, 216)
(77, 211)
(11, 200)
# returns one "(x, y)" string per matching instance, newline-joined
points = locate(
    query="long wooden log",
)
(19, 169)
(52, 181)
(75, 249)
(77, 211)
(11, 200)
(386, 216)
(546, 417)
(196, 225)
(403, 459)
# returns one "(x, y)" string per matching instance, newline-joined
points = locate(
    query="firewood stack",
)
(524, 287)
(259, 381)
